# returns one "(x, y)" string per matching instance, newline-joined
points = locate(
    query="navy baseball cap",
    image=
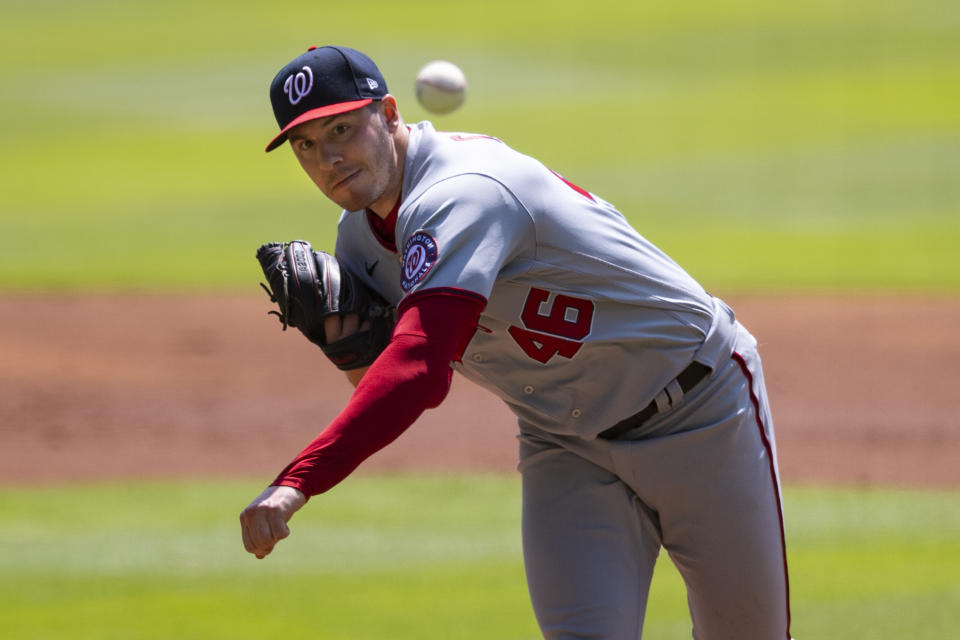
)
(324, 81)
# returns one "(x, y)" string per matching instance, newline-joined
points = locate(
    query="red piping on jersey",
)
(577, 188)
(460, 138)
(773, 476)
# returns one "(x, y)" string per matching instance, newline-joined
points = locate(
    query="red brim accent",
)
(314, 114)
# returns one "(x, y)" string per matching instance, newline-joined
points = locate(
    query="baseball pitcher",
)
(643, 417)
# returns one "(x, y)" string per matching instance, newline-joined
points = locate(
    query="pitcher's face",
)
(353, 157)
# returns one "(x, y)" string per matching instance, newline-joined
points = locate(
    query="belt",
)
(669, 397)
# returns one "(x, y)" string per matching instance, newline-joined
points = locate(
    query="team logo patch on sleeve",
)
(419, 256)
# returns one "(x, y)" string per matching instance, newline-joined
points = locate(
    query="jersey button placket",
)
(528, 389)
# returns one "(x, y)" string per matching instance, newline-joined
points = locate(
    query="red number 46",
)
(560, 332)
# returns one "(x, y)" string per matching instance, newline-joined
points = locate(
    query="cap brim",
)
(314, 114)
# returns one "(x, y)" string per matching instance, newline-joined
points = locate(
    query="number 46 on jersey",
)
(557, 329)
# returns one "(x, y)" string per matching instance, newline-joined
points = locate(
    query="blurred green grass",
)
(418, 556)
(765, 146)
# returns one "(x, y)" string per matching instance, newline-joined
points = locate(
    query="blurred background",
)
(801, 160)
(816, 142)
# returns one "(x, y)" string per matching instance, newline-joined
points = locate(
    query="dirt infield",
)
(864, 391)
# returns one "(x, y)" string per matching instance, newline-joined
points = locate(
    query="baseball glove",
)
(309, 286)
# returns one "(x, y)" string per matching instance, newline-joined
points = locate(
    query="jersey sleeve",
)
(411, 375)
(459, 233)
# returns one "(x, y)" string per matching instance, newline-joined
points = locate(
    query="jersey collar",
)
(385, 229)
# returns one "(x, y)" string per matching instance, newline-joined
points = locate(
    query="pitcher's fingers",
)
(258, 528)
(252, 525)
(247, 542)
(259, 551)
(351, 324)
(332, 328)
(278, 526)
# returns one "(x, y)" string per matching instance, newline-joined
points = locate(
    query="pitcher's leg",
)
(589, 546)
(731, 553)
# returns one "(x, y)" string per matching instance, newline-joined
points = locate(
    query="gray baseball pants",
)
(699, 480)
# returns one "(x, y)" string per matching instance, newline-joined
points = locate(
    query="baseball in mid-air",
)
(441, 86)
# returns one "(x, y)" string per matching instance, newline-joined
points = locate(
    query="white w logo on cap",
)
(298, 85)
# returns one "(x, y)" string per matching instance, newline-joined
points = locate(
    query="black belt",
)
(688, 379)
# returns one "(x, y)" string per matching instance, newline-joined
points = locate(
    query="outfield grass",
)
(418, 557)
(765, 145)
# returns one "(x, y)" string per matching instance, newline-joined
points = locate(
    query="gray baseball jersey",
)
(587, 323)
(577, 300)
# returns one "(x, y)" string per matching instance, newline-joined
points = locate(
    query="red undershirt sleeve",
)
(411, 375)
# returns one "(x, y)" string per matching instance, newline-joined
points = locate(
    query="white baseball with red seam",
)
(441, 86)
